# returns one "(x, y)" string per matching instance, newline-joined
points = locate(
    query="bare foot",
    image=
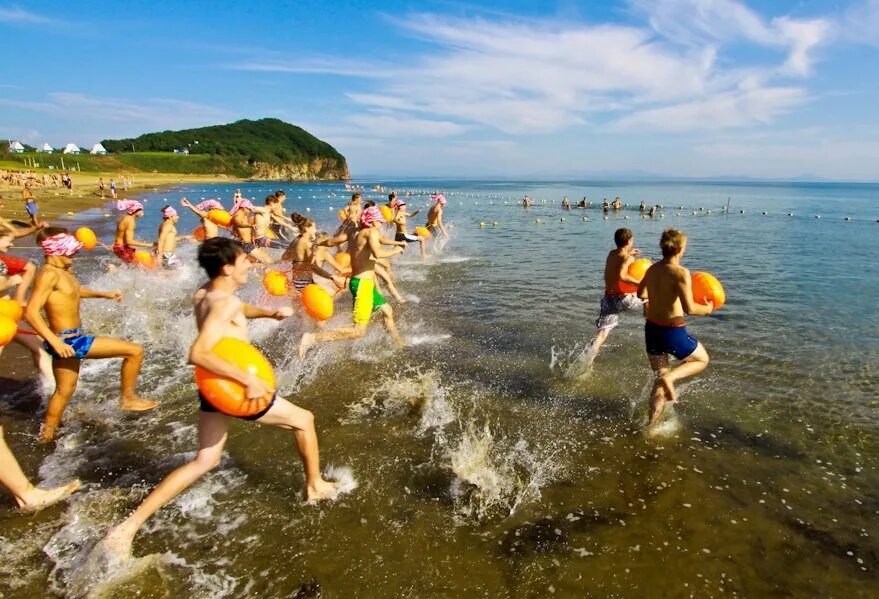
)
(136, 404)
(657, 404)
(47, 433)
(321, 490)
(39, 499)
(306, 342)
(668, 385)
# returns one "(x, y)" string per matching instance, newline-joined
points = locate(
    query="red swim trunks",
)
(124, 252)
(12, 265)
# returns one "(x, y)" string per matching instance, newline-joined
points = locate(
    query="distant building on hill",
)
(46, 149)
(16, 147)
(181, 150)
(98, 149)
(71, 149)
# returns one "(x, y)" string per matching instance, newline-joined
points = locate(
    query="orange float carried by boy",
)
(637, 270)
(86, 237)
(228, 395)
(706, 287)
(317, 302)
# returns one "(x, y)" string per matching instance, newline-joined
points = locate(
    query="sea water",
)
(476, 465)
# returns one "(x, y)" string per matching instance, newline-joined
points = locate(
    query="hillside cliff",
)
(263, 149)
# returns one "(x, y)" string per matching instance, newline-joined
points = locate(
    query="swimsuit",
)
(124, 252)
(31, 208)
(11, 265)
(171, 261)
(433, 228)
(408, 238)
(205, 406)
(301, 275)
(611, 306)
(367, 299)
(75, 338)
(669, 338)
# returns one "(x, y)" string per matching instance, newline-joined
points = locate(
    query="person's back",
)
(662, 282)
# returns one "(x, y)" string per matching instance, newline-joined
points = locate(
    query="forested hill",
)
(266, 149)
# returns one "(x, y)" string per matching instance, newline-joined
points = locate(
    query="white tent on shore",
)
(71, 149)
(46, 149)
(15, 146)
(98, 149)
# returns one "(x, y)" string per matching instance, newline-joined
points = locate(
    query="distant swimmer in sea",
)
(301, 254)
(221, 315)
(125, 242)
(652, 212)
(616, 299)
(617, 204)
(28, 497)
(605, 206)
(402, 233)
(58, 292)
(566, 205)
(365, 250)
(211, 229)
(244, 231)
(166, 242)
(642, 207)
(667, 285)
(584, 203)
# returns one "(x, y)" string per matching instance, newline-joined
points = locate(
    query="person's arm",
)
(24, 232)
(624, 272)
(212, 329)
(685, 293)
(43, 286)
(386, 241)
(375, 246)
(332, 260)
(411, 214)
(332, 242)
(86, 293)
(200, 213)
(251, 312)
(439, 221)
(7, 282)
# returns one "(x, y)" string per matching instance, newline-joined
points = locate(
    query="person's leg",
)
(286, 415)
(27, 277)
(212, 433)
(28, 497)
(132, 358)
(309, 339)
(388, 314)
(262, 256)
(423, 243)
(600, 338)
(66, 374)
(659, 365)
(385, 275)
(695, 363)
(42, 360)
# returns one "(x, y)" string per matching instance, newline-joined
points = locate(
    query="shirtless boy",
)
(58, 292)
(435, 215)
(400, 217)
(244, 230)
(166, 242)
(365, 250)
(668, 286)
(210, 228)
(615, 300)
(219, 314)
(125, 242)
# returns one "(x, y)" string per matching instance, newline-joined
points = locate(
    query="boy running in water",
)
(166, 243)
(125, 242)
(365, 250)
(668, 286)
(210, 228)
(219, 314)
(400, 217)
(58, 292)
(615, 300)
(244, 230)
(435, 215)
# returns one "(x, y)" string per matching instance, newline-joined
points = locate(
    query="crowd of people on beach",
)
(358, 255)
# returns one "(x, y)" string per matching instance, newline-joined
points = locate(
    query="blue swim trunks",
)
(669, 339)
(75, 338)
(31, 208)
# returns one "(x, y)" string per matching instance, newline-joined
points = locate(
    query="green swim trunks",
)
(367, 301)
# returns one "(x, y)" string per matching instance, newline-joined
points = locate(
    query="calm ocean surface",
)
(481, 469)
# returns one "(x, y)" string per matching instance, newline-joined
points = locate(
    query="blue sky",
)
(532, 89)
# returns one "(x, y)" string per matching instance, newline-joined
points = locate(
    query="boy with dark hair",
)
(671, 295)
(58, 292)
(220, 314)
(616, 299)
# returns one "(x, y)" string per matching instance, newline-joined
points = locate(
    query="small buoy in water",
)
(538, 221)
(495, 223)
(709, 212)
(605, 218)
(790, 213)
(627, 217)
(106, 215)
(680, 207)
(764, 213)
(848, 218)
(817, 216)
(561, 220)
(585, 219)
(481, 225)
(661, 216)
(308, 209)
(677, 213)
(695, 213)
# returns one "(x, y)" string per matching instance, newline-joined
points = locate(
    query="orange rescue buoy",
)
(228, 395)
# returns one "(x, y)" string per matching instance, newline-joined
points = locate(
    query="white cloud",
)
(861, 23)
(386, 125)
(13, 14)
